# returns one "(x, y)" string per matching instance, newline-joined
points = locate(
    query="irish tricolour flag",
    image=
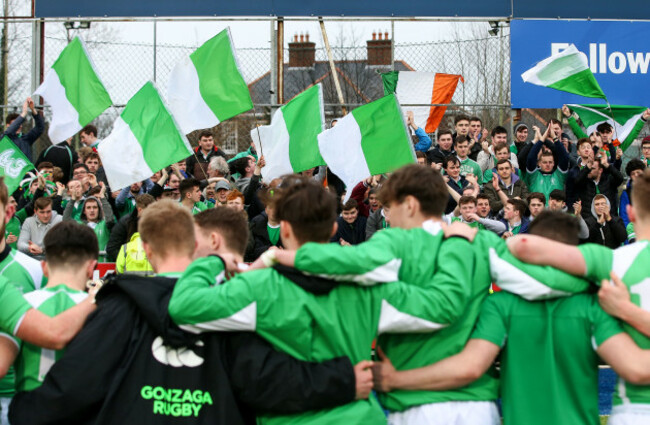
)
(625, 120)
(566, 71)
(290, 143)
(74, 91)
(145, 139)
(207, 87)
(370, 140)
(422, 88)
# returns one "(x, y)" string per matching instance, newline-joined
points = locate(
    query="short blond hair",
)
(168, 228)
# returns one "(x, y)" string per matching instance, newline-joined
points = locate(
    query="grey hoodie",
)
(33, 230)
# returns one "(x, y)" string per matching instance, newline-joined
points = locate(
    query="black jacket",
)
(60, 155)
(585, 188)
(198, 166)
(121, 234)
(259, 241)
(131, 365)
(353, 234)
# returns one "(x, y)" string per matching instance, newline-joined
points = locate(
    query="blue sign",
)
(618, 54)
(554, 9)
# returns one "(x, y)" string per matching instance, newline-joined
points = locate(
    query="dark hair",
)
(351, 205)
(42, 203)
(604, 127)
(503, 161)
(448, 159)
(92, 155)
(460, 139)
(11, 117)
(556, 225)
(482, 196)
(633, 165)
(79, 165)
(44, 164)
(205, 133)
(460, 118)
(582, 141)
(555, 121)
(186, 185)
(537, 195)
(232, 225)
(465, 199)
(499, 146)
(498, 130)
(306, 205)
(443, 132)
(558, 195)
(423, 183)
(519, 206)
(476, 119)
(89, 129)
(239, 165)
(70, 244)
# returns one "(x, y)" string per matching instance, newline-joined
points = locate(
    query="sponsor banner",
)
(618, 54)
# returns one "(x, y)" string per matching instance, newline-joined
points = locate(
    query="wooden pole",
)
(332, 66)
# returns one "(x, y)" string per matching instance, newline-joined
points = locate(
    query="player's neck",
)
(74, 279)
(418, 221)
(188, 202)
(173, 264)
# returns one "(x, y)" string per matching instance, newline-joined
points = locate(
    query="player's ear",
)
(46, 270)
(631, 214)
(335, 228)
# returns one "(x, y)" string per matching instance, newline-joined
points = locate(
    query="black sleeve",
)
(75, 387)
(251, 189)
(116, 240)
(156, 190)
(274, 382)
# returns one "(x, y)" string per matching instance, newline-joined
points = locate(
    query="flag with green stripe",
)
(290, 143)
(13, 164)
(145, 139)
(207, 87)
(566, 71)
(625, 120)
(74, 91)
(370, 140)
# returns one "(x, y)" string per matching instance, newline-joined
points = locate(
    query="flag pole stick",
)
(257, 128)
(335, 76)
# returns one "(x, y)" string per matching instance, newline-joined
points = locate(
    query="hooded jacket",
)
(33, 230)
(612, 234)
(131, 365)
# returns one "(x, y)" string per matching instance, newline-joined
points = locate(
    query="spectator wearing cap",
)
(221, 188)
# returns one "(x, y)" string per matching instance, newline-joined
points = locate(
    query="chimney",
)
(379, 50)
(302, 54)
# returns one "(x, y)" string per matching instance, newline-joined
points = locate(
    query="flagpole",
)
(257, 128)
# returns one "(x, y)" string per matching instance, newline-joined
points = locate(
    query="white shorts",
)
(449, 413)
(630, 415)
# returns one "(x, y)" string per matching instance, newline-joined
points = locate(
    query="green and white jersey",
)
(12, 307)
(318, 327)
(33, 363)
(631, 234)
(198, 207)
(549, 364)
(545, 183)
(469, 166)
(630, 263)
(26, 274)
(412, 256)
(23, 271)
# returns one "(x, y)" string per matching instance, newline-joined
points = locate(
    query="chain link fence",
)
(482, 60)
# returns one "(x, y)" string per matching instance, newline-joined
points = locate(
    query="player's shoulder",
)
(633, 249)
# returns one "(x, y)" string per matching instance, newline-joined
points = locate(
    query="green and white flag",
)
(145, 139)
(207, 87)
(370, 140)
(74, 91)
(626, 120)
(290, 143)
(13, 164)
(566, 71)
